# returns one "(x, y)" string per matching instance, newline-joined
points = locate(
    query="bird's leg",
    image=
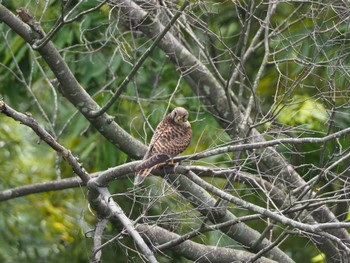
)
(164, 161)
(169, 162)
(162, 164)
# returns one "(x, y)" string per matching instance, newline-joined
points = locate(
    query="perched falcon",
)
(171, 137)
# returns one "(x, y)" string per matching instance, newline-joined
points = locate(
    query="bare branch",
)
(100, 199)
(100, 227)
(315, 229)
(40, 188)
(205, 204)
(197, 252)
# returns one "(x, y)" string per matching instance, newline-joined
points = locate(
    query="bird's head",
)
(179, 115)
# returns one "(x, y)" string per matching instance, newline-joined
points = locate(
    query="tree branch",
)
(263, 145)
(197, 252)
(315, 229)
(100, 227)
(205, 204)
(40, 188)
(102, 202)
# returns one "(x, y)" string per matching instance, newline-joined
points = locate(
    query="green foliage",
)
(303, 110)
(53, 218)
(318, 259)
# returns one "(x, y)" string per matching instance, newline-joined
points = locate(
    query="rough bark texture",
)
(197, 252)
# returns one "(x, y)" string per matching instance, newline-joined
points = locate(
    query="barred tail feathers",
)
(141, 175)
(148, 165)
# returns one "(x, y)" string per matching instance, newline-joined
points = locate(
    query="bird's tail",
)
(148, 165)
(141, 175)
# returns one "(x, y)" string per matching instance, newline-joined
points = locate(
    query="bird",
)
(171, 137)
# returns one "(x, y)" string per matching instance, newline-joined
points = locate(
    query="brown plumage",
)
(171, 137)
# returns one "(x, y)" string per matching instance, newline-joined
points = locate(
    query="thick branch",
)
(197, 252)
(41, 188)
(205, 205)
(195, 73)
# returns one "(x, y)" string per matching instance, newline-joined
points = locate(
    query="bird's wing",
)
(158, 133)
(153, 156)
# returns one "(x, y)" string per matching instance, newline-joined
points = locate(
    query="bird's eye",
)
(184, 118)
(173, 115)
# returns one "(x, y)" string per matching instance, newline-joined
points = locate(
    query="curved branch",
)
(263, 145)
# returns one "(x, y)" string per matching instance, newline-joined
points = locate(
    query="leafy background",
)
(54, 226)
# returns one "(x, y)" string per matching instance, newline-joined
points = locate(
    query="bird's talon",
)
(170, 162)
